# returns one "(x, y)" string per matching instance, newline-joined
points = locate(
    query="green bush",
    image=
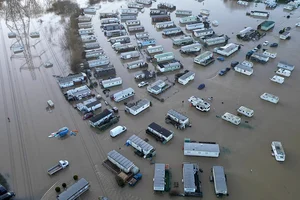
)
(57, 189)
(75, 177)
(64, 185)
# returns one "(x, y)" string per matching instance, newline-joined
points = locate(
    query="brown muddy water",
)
(253, 174)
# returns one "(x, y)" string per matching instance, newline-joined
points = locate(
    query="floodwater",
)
(27, 152)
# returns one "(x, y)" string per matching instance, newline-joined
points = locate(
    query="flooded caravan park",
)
(252, 173)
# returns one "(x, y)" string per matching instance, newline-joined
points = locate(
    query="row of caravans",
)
(161, 25)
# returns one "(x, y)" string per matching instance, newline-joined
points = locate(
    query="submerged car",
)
(220, 58)
(234, 63)
(266, 43)
(224, 71)
(274, 45)
(142, 84)
(87, 115)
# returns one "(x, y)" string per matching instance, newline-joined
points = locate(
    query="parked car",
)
(220, 58)
(224, 71)
(117, 131)
(201, 86)
(266, 43)
(274, 45)
(87, 115)
(142, 84)
(234, 63)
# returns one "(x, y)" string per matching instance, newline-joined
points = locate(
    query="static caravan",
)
(191, 178)
(169, 24)
(245, 111)
(137, 107)
(88, 38)
(269, 54)
(137, 64)
(34, 34)
(85, 25)
(215, 40)
(219, 179)
(203, 32)
(231, 118)
(112, 82)
(142, 35)
(201, 149)
(121, 48)
(160, 133)
(189, 19)
(130, 55)
(145, 2)
(122, 95)
(78, 93)
(177, 119)
(145, 149)
(122, 162)
(154, 11)
(144, 75)
(204, 58)
(94, 54)
(98, 63)
(84, 19)
(129, 11)
(169, 66)
(192, 48)
(155, 49)
(256, 13)
(135, 5)
(127, 17)
(104, 71)
(18, 49)
(204, 12)
(243, 33)
(283, 72)
(191, 27)
(243, 69)
(258, 57)
(285, 65)
(135, 28)
(114, 26)
(278, 151)
(157, 87)
(109, 21)
(108, 15)
(172, 31)
(277, 79)
(186, 78)
(88, 31)
(166, 6)
(132, 22)
(183, 40)
(93, 45)
(270, 97)
(184, 12)
(159, 180)
(121, 39)
(115, 33)
(90, 11)
(227, 50)
(163, 57)
(146, 42)
(74, 191)
(199, 104)
(160, 18)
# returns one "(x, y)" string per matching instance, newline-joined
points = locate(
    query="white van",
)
(117, 131)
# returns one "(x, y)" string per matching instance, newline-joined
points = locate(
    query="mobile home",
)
(146, 42)
(157, 87)
(112, 82)
(245, 111)
(190, 179)
(135, 5)
(89, 10)
(71, 80)
(283, 72)
(124, 47)
(115, 33)
(172, 31)
(227, 50)
(278, 151)
(109, 21)
(163, 57)
(122, 162)
(203, 32)
(256, 13)
(277, 79)
(219, 179)
(155, 49)
(104, 72)
(169, 66)
(111, 27)
(183, 40)
(270, 98)
(108, 15)
(121, 39)
(94, 54)
(285, 66)
(74, 191)
(183, 12)
(160, 133)
(191, 27)
(166, 6)
(186, 78)
(127, 17)
(258, 57)
(98, 62)
(136, 28)
(192, 48)
(93, 45)
(142, 35)
(199, 104)
(204, 58)
(154, 11)
(78, 93)
(130, 55)
(189, 19)
(160, 18)
(132, 22)
(215, 40)
(122, 95)
(145, 2)
(137, 64)
(243, 69)
(84, 19)
(243, 33)
(129, 11)
(177, 119)
(137, 107)
(88, 38)
(169, 24)
(144, 148)
(201, 149)
(85, 25)
(88, 31)
(231, 118)
(159, 180)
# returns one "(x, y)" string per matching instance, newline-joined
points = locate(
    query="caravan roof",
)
(141, 143)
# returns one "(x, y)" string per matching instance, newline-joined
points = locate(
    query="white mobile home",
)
(215, 40)
(189, 19)
(204, 12)
(92, 45)
(122, 162)
(132, 22)
(81, 106)
(204, 58)
(285, 65)
(109, 21)
(115, 33)
(129, 11)
(88, 38)
(130, 55)
(85, 25)
(159, 177)
(98, 63)
(114, 26)
(168, 24)
(244, 32)
(283, 72)
(112, 82)
(201, 149)
(155, 49)
(258, 57)
(142, 35)
(278, 151)
(183, 40)
(158, 12)
(84, 19)
(137, 64)
(137, 107)
(219, 179)
(122, 95)
(227, 50)
(187, 77)
(127, 17)
(146, 2)
(184, 12)
(245, 111)
(78, 93)
(156, 87)
(169, 66)
(285, 35)
(172, 31)
(121, 39)
(270, 97)
(231, 118)
(176, 118)
(277, 79)
(124, 47)
(87, 31)
(108, 15)
(199, 104)
(203, 32)
(190, 170)
(90, 10)
(135, 5)
(243, 69)
(163, 57)
(191, 27)
(256, 13)
(145, 148)
(160, 133)
(192, 48)
(71, 80)
(135, 28)
(270, 54)
(92, 106)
